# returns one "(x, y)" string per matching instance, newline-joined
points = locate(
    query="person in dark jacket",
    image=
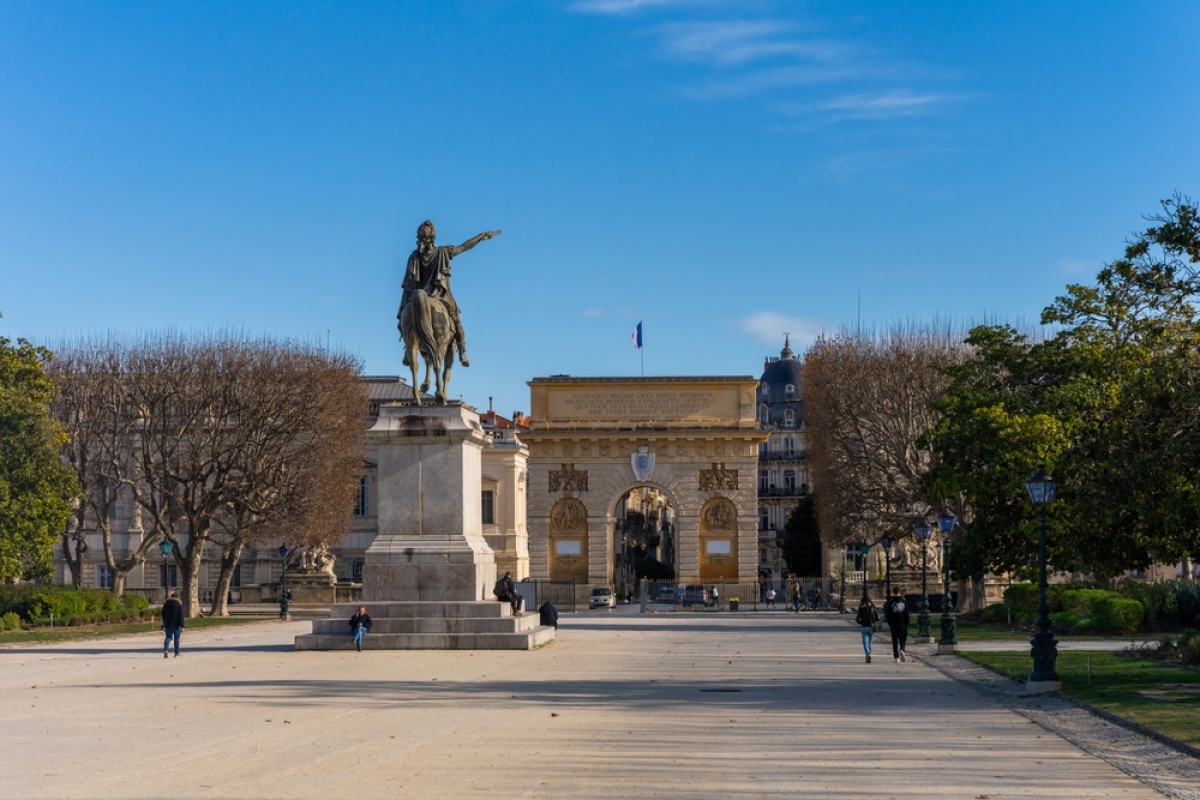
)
(866, 619)
(897, 620)
(548, 614)
(360, 624)
(506, 591)
(172, 623)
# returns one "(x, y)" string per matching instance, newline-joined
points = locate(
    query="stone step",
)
(523, 640)
(424, 609)
(382, 625)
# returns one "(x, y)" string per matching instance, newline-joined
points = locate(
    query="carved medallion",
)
(642, 461)
(568, 514)
(718, 478)
(719, 515)
(568, 479)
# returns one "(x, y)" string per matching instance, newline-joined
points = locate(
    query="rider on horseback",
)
(429, 269)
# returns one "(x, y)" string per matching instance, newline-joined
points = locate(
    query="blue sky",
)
(722, 171)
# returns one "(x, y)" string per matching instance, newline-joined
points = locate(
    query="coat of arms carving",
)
(642, 461)
(568, 479)
(718, 478)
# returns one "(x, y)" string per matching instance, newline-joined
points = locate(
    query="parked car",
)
(666, 594)
(697, 595)
(602, 597)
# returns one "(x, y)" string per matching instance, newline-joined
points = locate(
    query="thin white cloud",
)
(592, 313)
(740, 41)
(1073, 269)
(770, 327)
(621, 6)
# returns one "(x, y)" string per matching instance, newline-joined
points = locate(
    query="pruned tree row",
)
(217, 443)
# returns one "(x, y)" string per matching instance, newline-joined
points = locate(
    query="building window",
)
(789, 418)
(168, 575)
(789, 480)
(763, 481)
(235, 577)
(487, 507)
(356, 568)
(362, 506)
(104, 577)
(763, 415)
(789, 446)
(791, 389)
(764, 519)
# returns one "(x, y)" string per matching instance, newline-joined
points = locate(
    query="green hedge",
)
(1024, 597)
(10, 622)
(96, 617)
(32, 602)
(1167, 605)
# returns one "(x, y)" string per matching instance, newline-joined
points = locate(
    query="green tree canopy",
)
(802, 539)
(35, 488)
(1107, 403)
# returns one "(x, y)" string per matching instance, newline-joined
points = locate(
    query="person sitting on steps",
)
(507, 592)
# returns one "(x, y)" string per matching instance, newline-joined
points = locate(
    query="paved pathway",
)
(679, 706)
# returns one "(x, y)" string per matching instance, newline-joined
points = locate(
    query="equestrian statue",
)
(429, 322)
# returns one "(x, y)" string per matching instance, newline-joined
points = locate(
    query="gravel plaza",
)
(622, 705)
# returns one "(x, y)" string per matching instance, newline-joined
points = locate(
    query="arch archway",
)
(645, 536)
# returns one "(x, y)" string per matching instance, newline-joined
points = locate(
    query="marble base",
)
(427, 568)
(1042, 687)
(449, 625)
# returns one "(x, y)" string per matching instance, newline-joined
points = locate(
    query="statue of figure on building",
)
(316, 558)
(429, 320)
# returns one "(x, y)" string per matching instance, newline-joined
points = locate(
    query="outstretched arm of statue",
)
(483, 237)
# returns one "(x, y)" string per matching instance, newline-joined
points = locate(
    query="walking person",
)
(506, 591)
(360, 625)
(796, 597)
(172, 623)
(771, 598)
(716, 598)
(896, 612)
(866, 619)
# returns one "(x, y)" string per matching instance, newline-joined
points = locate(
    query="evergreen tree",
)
(802, 539)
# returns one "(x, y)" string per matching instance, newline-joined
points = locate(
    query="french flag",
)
(637, 337)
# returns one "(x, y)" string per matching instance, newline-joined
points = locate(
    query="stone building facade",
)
(687, 446)
(782, 460)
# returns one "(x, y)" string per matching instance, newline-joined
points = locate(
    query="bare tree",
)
(297, 471)
(868, 402)
(90, 406)
(218, 441)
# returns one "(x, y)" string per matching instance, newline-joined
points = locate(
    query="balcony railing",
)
(775, 491)
(781, 455)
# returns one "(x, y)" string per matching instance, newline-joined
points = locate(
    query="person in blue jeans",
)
(867, 617)
(360, 623)
(172, 623)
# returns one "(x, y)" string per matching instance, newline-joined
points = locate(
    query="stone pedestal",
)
(429, 574)
(430, 545)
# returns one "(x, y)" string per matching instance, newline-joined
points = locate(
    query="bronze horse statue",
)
(426, 329)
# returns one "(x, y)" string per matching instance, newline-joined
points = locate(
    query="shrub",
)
(134, 602)
(30, 602)
(1168, 604)
(1086, 602)
(10, 622)
(1121, 615)
(1022, 596)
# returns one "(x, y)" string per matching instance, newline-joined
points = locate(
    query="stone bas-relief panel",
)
(637, 405)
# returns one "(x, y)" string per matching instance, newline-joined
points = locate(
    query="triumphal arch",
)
(636, 477)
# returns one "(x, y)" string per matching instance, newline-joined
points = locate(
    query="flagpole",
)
(642, 350)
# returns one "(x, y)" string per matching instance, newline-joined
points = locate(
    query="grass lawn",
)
(74, 633)
(1164, 699)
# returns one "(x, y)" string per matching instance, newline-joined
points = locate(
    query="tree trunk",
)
(74, 560)
(118, 587)
(230, 558)
(189, 575)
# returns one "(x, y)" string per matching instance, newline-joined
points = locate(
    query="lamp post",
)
(948, 643)
(284, 613)
(886, 542)
(165, 548)
(1044, 647)
(923, 531)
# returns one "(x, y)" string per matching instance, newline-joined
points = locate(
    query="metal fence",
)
(562, 594)
(815, 594)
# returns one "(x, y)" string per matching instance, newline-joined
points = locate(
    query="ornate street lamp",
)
(1044, 647)
(948, 643)
(165, 548)
(284, 612)
(886, 542)
(923, 531)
